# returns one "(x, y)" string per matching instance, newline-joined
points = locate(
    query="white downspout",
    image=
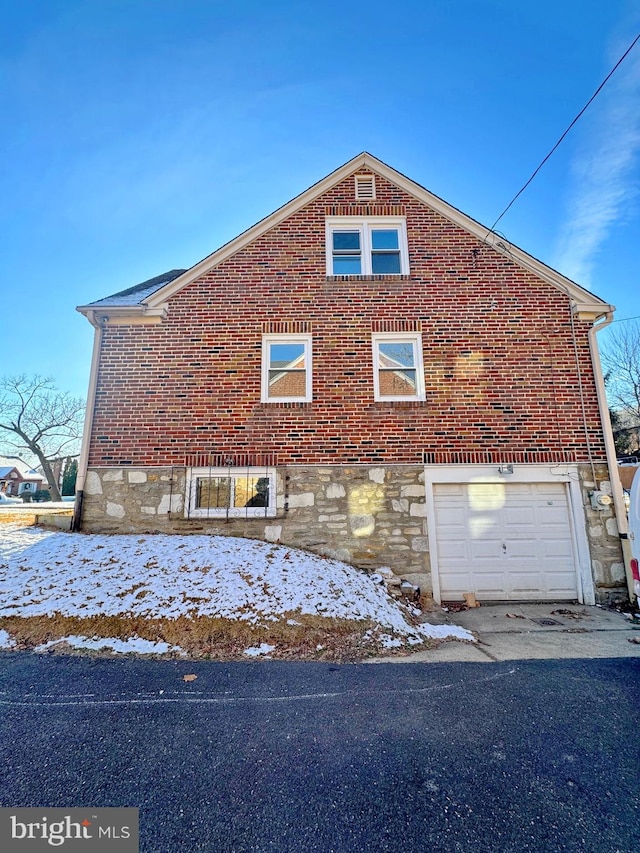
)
(88, 424)
(612, 460)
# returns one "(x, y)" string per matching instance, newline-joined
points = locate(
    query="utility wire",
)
(591, 99)
(626, 319)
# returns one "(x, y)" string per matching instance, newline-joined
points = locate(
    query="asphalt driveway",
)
(261, 757)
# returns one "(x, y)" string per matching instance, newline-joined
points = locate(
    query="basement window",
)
(231, 493)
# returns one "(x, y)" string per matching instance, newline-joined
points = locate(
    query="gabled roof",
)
(136, 294)
(150, 301)
(8, 463)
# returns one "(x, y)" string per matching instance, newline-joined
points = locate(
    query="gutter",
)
(612, 460)
(76, 521)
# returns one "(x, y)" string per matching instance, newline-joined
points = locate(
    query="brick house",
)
(16, 477)
(369, 374)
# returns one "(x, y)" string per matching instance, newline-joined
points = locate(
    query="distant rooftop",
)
(7, 463)
(134, 295)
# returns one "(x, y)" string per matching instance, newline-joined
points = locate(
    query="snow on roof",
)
(25, 471)
(134, 295)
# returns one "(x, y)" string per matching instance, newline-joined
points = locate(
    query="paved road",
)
(524, 756)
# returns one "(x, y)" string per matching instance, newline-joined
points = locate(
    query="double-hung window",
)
(372, 246)
(286, 369)
(231, 493)
(397, 366)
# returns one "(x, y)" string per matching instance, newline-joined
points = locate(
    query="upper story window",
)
(286, 369)
(397, 366)
(372, 246)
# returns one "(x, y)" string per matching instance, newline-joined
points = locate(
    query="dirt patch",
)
(295, 637)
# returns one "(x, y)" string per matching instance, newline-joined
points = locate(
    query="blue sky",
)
(140, 135)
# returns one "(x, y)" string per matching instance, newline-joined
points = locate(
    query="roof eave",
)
(117, 315)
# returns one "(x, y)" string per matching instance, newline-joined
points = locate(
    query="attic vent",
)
(365, 187)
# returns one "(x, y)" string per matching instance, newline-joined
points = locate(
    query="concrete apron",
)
(534, 631)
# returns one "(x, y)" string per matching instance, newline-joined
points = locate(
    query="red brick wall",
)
(500, 368)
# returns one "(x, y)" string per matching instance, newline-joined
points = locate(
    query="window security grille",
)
(228, 492)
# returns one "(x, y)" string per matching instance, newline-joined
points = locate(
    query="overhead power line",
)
(589, 102)
(626, 319)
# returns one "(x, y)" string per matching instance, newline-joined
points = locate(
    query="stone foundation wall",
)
(369, 516)
(607, 562)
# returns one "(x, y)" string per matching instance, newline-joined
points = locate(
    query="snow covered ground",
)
(159, 576)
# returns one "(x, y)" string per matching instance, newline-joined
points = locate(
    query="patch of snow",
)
(132, 645)
(262, 649)
(440, 632)
(5, 640)
(160, 575)
(389, 642)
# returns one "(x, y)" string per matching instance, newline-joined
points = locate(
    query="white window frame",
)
(365, 226)
(306, 340)
(195, 474)
(414, 338)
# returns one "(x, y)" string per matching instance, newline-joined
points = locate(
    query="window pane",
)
(213, 493)
(251, 491)
(287, 383)
(286, 355)
(385, 262)
(397, 383)
(346, 265)
(346, 241)
(387, 239)
(396, 354)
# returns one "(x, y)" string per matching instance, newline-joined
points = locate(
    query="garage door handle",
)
(504, 547)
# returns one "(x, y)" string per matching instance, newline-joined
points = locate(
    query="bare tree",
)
(621, 362)
(35, 416)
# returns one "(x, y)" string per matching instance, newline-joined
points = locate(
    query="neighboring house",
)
(17, 477)
(372, 375)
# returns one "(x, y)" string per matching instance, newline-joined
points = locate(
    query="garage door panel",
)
(557, 549)
(504, 541)
(490, 586)
(454, 517)
(524, 584)
(455, 490)
(454, 554)
(552, 515)
(520, 516)
(522, 549)
(486, 549)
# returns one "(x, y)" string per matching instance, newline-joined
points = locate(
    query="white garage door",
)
(504, 541)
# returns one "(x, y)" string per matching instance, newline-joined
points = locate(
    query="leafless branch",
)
(36, 417)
